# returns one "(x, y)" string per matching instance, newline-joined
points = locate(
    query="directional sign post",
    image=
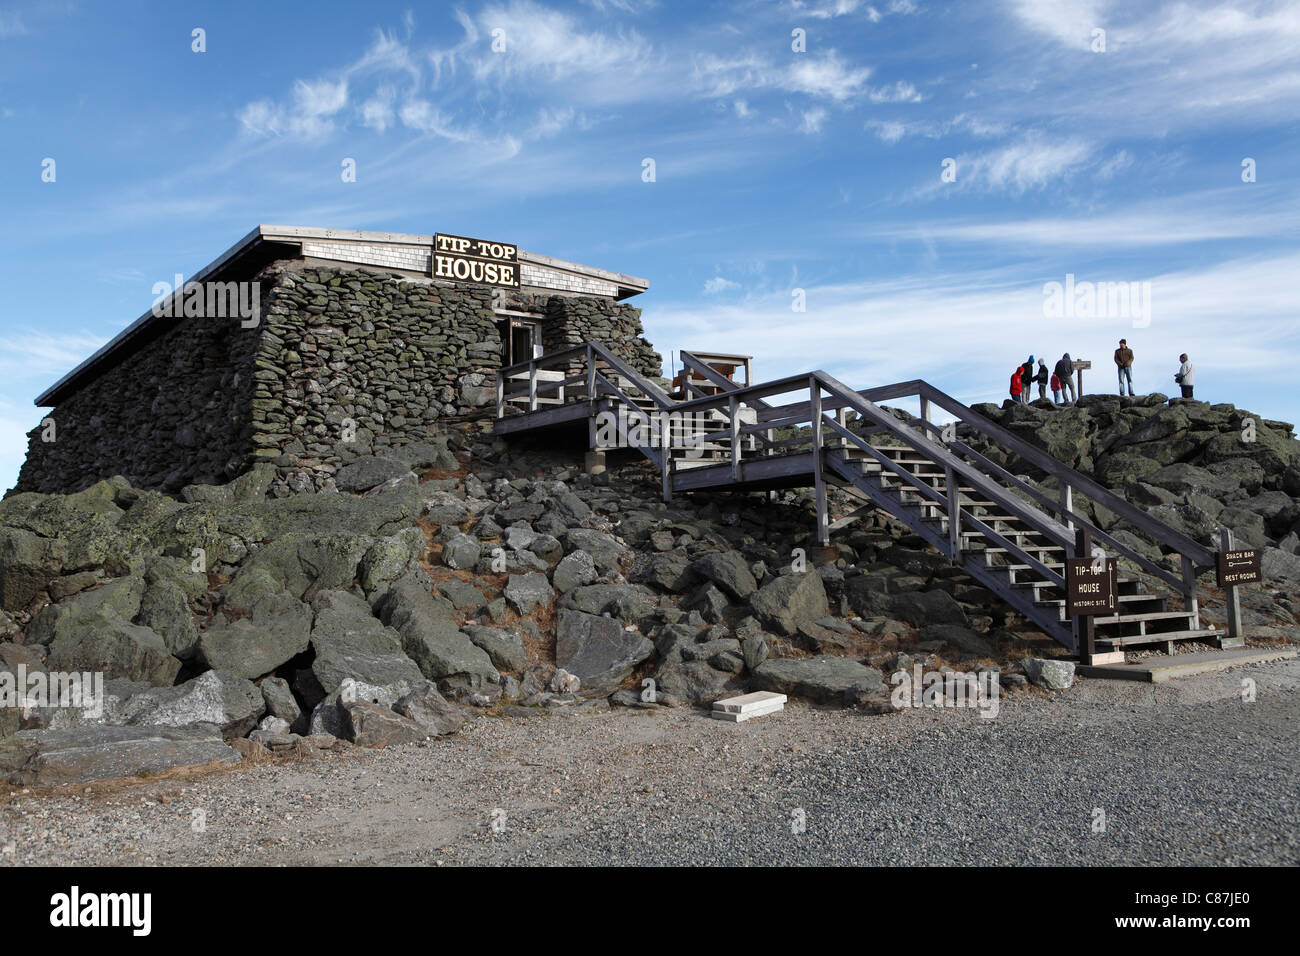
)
(1231, 569)
(1079, 366)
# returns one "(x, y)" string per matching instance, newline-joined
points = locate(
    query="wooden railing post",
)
(735, 439)
(1084, 628)
(842, 416)
(1190, 601)
(501, 394)
(819, 483)
(532, 385)
(954, 513)
(1067, 502)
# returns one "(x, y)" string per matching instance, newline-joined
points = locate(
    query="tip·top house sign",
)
(475, 260)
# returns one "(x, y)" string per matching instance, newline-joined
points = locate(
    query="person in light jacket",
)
(1185, 375)
(1041, 377)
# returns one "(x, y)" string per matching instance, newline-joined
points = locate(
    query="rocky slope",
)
(461, 575)
(1195, 466)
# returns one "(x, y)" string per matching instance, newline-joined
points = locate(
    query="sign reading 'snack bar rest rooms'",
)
(475, 260)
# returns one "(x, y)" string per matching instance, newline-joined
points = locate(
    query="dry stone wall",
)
(346, 362)
(175, 412)
(353, 363)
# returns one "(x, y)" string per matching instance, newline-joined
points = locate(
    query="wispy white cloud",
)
(1033, 162)
(11, 24)
(719, 284)
(812, 120)
(1212, 215)
(900, 92)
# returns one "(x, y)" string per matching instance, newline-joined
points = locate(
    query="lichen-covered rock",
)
(729, 571)
(789, 600)
(1050, 674)
(431, 637)
(574, 570)
(528, 591)
(374, 725)
(45, 758)
(434, 713)
(274, 630)
(350, 643)
(224, 700)
(823, 679)
(505, 645)
(107, 643)
(597, 650)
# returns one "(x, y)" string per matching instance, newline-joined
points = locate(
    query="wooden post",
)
(1230, 592)
(1085, 628)
(1067, 503)
(925, 415)
(1079, 394)
(1190, 601)
(954, 514)
(842, 416)
(735, 439)
(532, 385)
(591, 376)
(501, 395)
(819, 484)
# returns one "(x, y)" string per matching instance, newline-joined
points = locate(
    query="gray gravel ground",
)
(1186, 773)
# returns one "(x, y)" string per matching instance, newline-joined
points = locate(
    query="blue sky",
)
(775, 170)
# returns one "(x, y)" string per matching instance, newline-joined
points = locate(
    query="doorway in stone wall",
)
(521, 337)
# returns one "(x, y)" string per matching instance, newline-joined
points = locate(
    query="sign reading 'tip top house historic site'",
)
(475, 260)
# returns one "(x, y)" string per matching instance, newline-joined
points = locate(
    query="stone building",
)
(306, 347)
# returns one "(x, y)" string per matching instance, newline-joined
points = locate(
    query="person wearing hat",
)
(1065, 372)
(1185, 374)
(1041, 378)
(1124, 363)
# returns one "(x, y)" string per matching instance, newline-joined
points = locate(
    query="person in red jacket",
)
(1056, 389)
(1017, 386)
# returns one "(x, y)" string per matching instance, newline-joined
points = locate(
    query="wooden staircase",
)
(1144, 617)
(1010, 534)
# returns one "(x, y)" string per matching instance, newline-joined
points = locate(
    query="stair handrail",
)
(1041, 523)
(1204, 557)
(1057, 508)
(928, 491)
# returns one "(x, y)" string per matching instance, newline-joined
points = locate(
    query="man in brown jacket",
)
(1124, 363)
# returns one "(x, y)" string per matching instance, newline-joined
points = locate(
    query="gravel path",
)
(1186, 773)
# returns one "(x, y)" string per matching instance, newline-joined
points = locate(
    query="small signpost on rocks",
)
(1091, 588)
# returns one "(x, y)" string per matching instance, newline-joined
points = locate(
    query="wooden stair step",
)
(1203, 634)
(1122, 599)
(1143, 617)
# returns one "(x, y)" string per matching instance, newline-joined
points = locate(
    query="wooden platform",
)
(1156, 670)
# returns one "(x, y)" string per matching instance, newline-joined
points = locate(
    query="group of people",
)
(1061, 378)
